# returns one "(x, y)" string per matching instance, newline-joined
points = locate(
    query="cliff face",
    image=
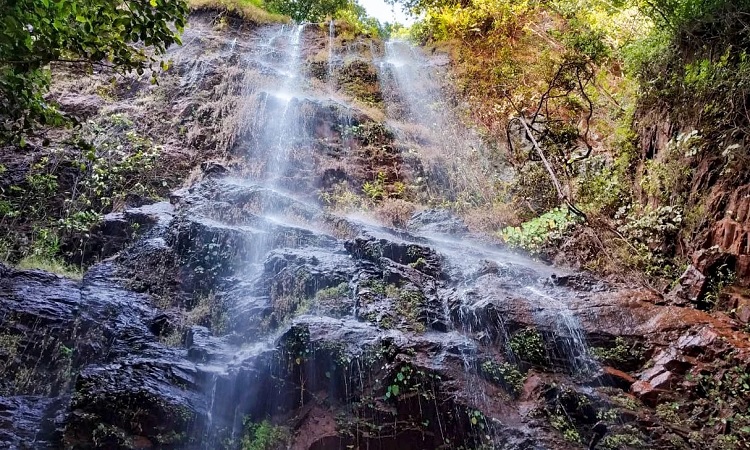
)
(258, 308)
(692, 124)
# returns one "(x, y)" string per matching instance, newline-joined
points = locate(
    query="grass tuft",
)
(50, 265)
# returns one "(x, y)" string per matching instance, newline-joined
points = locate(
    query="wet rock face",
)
(80, 337)
(135, 402)
(241, 310)
(39, 312)
(27, 421)
(437, 221)
(226, 312)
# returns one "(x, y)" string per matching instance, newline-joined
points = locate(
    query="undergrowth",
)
(51, 210)
(541, 232)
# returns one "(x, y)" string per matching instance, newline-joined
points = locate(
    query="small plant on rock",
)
(375, 190)
(528, 346)
(264, 436)
(506, 374)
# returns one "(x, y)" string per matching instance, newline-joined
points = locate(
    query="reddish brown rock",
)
(644, 391)
(531, 387)
(663, 381)
(616, 378)
(705, 259)
(739, 301)
(698, 343)
(648, 390)
(689, 287)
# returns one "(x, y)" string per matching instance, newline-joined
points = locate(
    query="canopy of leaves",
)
(306, 10)
(35, 33)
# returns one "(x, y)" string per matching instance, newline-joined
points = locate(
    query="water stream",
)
(277, 143)
(329, 320)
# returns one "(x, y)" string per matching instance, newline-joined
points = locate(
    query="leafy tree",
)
(355, 14)
(107, 33)
(306, 10)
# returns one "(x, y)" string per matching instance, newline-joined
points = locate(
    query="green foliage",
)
(447, 19)
(717, 405)
(667, 179)
(538, 233)
(408, 381)
(264, 436)
(723, 277)
(505, 374)
(652, 233)
(603, 187)
(400, 382)
(115, 167)
(669, 412)
(333, 293)
(477, 419)
(356, 15)
(618, 354)
(561, 423)
(209, 311)
(44, 254)
(340, 196)
(585, 43)
(683, 15)
(528, 346)
(626, 437)
(409, 306)
(375, 190)
(112, 162)
(306, 10)
(250, 10)
(89, 33)
(377, 286)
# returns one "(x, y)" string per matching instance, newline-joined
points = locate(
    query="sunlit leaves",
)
(35, 33)
(306, 10)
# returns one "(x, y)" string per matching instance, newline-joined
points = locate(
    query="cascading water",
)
(278, 134)
(331, 52)
(416, 97)
(571, 341)
(358, 335)
(428, 122)
(273, 115)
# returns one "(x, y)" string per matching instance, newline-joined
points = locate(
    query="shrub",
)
(90, 33)
(536, 234)
(395, 212)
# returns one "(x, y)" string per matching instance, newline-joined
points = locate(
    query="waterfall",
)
(273, 115)
(280, 138)
(418, 97)
(260, 307)
(331, 53)
(429, 122)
